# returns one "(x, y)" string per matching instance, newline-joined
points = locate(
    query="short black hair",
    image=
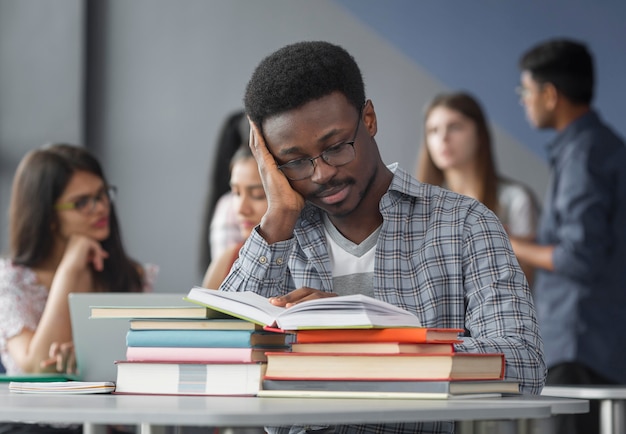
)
(566, 64)
(299, 73)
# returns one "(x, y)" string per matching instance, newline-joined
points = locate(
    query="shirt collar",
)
(401, 183)
(565, 137)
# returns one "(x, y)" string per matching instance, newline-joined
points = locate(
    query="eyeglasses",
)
(335, 156)
(87, 204)
(524, 92)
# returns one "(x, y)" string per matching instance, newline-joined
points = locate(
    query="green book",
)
(38, 378)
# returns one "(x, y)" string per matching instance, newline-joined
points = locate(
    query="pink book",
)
(197, 355)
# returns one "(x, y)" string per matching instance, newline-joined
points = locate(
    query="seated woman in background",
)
(249, 202)
(64, 237)
(456, 154)
(221, 230)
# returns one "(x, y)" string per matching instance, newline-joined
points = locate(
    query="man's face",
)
(324, 126)
(536, 100)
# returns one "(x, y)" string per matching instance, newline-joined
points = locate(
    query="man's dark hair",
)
(299, 73)
(566, 64)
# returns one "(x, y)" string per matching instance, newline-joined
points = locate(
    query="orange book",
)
(373, 347)
(400, 335)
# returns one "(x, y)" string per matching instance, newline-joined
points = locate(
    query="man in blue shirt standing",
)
(580, 251)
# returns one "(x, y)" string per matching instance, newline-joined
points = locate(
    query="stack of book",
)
(390, 362)
(180, 351)
(356, 346)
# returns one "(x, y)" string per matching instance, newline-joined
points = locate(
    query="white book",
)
(349, 311)
(64, 387)
(183, 378)
(368, 395)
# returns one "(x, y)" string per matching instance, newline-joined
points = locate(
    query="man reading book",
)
(340, 221)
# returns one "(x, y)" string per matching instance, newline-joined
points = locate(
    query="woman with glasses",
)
(456, 154)
(64, 237)
(249, 203)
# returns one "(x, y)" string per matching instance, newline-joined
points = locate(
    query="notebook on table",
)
(98, 343)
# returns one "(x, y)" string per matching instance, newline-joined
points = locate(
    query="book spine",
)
(359, 386)
(188, 379)
(402, 335)
(197, 355)
(189, 338)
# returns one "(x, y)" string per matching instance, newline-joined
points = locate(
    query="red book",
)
(400, 334)
(330, 366)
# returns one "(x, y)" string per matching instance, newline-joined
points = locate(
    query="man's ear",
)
(369, 118)
(551, 96)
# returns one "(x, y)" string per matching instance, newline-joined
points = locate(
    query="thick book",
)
(443, 388)
(391, 334)
(204, 338)
(189, 378)
(350, 311)
(328, 366)
(154, 312)
(192, 324)
(197, 355)
(372, 347)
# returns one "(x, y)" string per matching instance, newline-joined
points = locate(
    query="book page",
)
(367, 395)
(245, 305)
(69, 387)
(349, 311)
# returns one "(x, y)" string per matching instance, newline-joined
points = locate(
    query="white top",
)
(224, 228)
(518, 210)
(23, 299)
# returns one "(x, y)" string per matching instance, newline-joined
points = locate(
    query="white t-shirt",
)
(518, 210)
(352, 264)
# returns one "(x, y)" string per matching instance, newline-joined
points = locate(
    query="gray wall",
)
(41, 78)
(161, 76)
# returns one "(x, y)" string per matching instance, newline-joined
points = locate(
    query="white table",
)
(557, 406)
(612, 403)
(147, 411)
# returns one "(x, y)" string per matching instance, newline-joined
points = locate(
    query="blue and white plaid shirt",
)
(443, 256)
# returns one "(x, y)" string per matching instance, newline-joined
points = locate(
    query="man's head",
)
(308, 101)
(552, 70)
(300, 73)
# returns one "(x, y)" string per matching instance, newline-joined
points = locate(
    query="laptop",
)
(98, 343)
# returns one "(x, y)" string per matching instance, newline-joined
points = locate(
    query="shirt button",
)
(263, 260)
(279, 261)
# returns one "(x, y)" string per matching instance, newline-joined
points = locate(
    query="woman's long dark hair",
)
(40, 180)
(233, 134)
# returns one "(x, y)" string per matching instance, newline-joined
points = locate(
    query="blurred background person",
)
(457, 154)
(249, 203)
(580, 251)
(221, 230)
(64, 237)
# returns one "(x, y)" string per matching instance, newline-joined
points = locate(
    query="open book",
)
(349, 311)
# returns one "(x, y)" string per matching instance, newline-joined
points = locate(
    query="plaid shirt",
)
(443, 256)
